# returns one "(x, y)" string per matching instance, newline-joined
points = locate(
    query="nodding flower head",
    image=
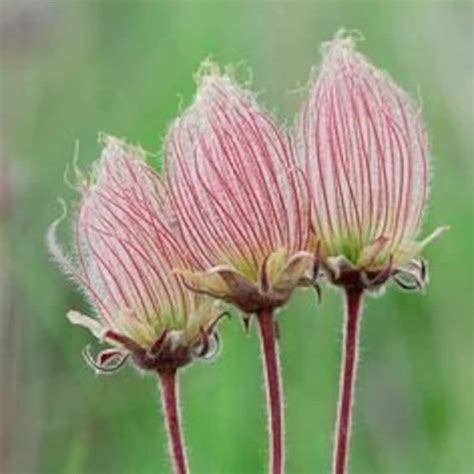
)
(363, 146)
(125, 252)
(241, 203)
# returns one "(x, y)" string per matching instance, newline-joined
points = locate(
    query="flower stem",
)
(169, 399)
(271, 367)
(347, 381)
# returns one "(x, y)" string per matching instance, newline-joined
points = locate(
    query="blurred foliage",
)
(71, 69)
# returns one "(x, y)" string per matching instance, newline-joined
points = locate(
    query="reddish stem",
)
(271, 367)
(169, 399)
(347, 381)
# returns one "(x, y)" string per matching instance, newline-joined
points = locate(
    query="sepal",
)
(279, 274)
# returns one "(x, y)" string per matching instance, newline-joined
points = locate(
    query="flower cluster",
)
(245, 213)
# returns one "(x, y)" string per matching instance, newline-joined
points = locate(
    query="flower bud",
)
(241, 203)
(125, 253)
(363, 146)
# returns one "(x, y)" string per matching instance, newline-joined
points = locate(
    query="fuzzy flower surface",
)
(124, 255)
(362, 144)
(241, 202)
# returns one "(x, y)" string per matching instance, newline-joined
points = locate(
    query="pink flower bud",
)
(363, 146)
(125, 254)
(241, 203)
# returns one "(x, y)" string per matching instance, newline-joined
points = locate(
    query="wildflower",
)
(125, 256)
(363, 146)
(240, 200)
(243, 211)
(126, 251)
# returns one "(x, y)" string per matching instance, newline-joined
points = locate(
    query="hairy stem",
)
(271, 367)
(170, 401)
(347, 380)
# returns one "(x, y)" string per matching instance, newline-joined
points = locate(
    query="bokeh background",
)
(71, 69)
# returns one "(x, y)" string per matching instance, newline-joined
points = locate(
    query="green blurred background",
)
(70, 69)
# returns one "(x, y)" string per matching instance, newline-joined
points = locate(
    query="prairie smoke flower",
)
(240, 200)
(243, 210)
(363, 146)
(125, 253)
